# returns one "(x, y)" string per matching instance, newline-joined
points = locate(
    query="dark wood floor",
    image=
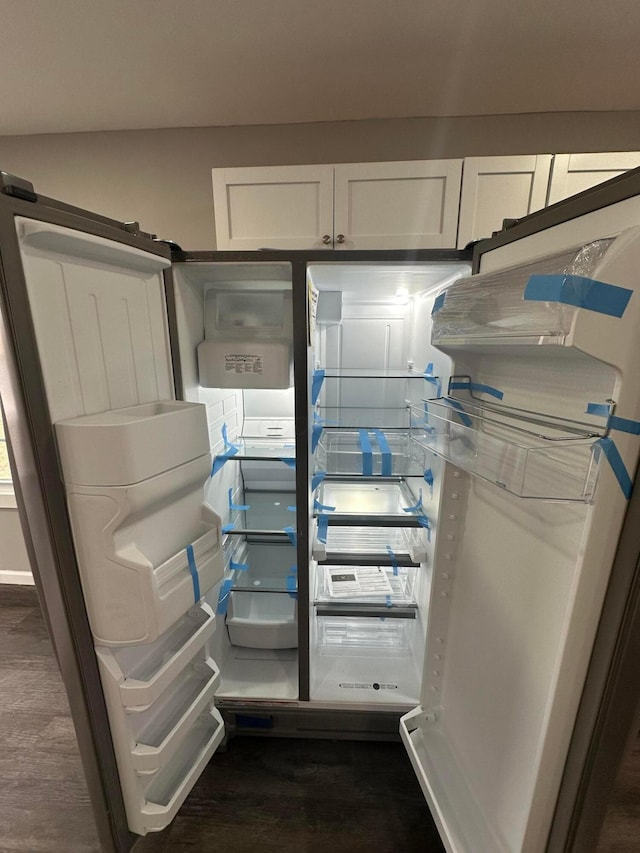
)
(261, 794)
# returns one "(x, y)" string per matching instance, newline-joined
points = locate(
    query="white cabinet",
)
(403, 205)
(496, 188)
(274, 207)
(573, 173)
(394, 205)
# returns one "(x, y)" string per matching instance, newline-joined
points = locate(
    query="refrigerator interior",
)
(536, 474)
(235, 325)
(375, 489)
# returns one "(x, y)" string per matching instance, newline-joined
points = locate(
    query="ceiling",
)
(85, 65)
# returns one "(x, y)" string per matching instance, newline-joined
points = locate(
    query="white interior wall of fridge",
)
(373, 331)
(247, 671)
(518, 582)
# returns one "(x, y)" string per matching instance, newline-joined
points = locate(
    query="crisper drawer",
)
(369, 453)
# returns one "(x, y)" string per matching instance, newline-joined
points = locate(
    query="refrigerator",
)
(341, 494)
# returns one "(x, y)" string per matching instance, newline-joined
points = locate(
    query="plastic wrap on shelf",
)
(531, 458)
(493, 306)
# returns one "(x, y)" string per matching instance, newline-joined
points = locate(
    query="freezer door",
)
(533, 597)
(103, 457)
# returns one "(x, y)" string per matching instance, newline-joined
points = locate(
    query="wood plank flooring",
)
(260, 794)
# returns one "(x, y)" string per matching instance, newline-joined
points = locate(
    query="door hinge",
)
(17, 187)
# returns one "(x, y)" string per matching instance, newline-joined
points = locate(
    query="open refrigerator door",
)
(536, 435)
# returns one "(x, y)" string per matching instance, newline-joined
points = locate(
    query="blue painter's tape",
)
(435, 381)
(239, 507)
(288, 460)
(617, 465)
(439, 302)
(292, 586)
(417, 506)
(464, 417)
(317, 479)
(428, 478)
(477, 386)
(428, 371)
(613, 421)
(238, 567)
(323, 526)
(227, 527)
(394, 562)
(322, 507)
(291, 533)
(194, 573)
(291, 509)
(316, 385)
(229, 451)
(579, 291)
(367, 456)
(223, 597)
(383, 444)
(388, 601)
(316, 432)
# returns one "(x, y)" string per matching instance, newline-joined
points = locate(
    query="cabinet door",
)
(497, 188)
(406, 205)
(275, 207)
(573, 173)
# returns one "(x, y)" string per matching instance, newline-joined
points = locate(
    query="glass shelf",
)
(343, 451)
(266, 513)
(366, 501)
(370, 373)
(263, 448)
(352, 417)
(531, 457)
(371, 544)
(268, 566)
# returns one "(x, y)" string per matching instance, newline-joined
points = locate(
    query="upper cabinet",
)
(400, 205)
(497, 188)
(573, 173)
(405, 205)
(273, 207)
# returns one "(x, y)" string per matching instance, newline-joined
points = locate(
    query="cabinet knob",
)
(326, 239)
(340, 238)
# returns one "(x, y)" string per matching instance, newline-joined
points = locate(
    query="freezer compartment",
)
(124, 446)
(138, 675)
(373, 545)
(534, 303)
(146, 552)
(544, 460)
(171, 785)
(373, 500)
(369, 452)
(262, 620)
(270, 448)
(261, 511)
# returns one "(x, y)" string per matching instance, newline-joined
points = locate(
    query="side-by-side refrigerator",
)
(336, 494)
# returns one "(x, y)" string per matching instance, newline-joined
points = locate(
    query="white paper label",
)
(243, 363)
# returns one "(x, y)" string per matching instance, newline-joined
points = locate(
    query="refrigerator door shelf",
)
(124, 446)
(146, 552)
(461, 824)
(138, 675)
(160, 802)
(514, 455)
(159, 730)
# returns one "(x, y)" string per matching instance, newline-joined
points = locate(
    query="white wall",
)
(162, 178)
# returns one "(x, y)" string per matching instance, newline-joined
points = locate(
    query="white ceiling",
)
(83, 65)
